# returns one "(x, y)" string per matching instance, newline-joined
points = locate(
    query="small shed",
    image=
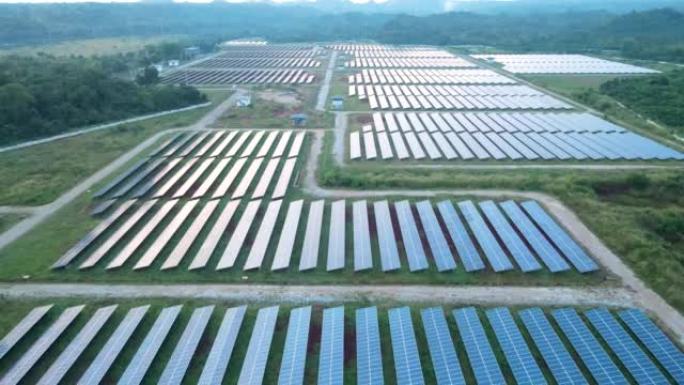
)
(337, 102)
(299, 120)
(244, 101)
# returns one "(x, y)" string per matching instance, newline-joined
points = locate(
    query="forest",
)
(660, 97)
(43, 95)
(654, 34)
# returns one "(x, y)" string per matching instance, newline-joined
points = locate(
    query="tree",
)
(149, 75)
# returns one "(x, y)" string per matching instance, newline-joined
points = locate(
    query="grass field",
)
(339, 86)
(15, 310)
(92, 47)
(638, 215)
(38, 174)
(9, 220)
(272, 107)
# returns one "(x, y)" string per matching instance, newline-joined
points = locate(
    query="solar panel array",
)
(562, 64)
(238, 76)
(529, 136)
(184, 198)
(617, 347)
(255, 235)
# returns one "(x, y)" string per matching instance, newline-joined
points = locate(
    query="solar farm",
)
(222, 253)
(212, 344)
(476, 114)
(562, 64)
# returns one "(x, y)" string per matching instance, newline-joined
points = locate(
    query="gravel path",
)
(325, 87)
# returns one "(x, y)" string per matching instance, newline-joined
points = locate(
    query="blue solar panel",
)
(433, 233)
(517, 353)
(222, 348)
(588, 348)
(582, 262)
(252, 372)
(363, 256)
(389, 254)
(331, 357)
(444, 359)
(552, 259)
(409, 234)
(368, 353)
(294, 353)
(558, 360)
(522, 255)
(138, 366)
(404, 348)
(459, 236)
(482, 359)
(336, 239)
(496, 256)
(177, 365)
(627, 350)
(669, 356)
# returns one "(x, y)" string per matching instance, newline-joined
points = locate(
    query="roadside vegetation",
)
(9, 220)
(44, 96)
(94, 47)
(38, 174)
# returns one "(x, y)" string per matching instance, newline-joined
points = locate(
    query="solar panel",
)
(283, 182)
(331, 356)
(433, 233)
(211, 241)
(235, 147)
(517, 353)
(662, 348)
(522, 255)
(192, 179)
(163, 239)
(282, 144)
(224, 143)
(389, 253)
(114, 238)
(588, 348)
(444, 359)
(222, 348)
(312, 236)
(113, 347)
(495, 255)
(178, 363)
(142, 174)
(336, 239)
(36, 351)
(363, 257)
(535, 238)
(407, 365)
(251, 146)
(625, 348)
(410, 238)
(297, 144)
(247, 179)
(184, 244)
(368, 352)
(553, 352)
(56, 372)
(355, 145)
(295, 350)
(22, 328)
(480, 354)
(459, 236)
(263, 236)
(142, 360)
(95, 233)
(156, 178)
(265, 180)
(173, 149)
(211, 178)
(253, 367)
(210, 143)
(229, 178)
(268, 143)
(582, 262)
(170, 182)
(115, 182)
(283, 253)
(192, 146)
(233, 247)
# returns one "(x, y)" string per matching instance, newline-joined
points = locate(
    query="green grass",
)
(92, 47)
(271, 114)
(38, 174)
(14, 310)
(339, 86)
(9, 220)
(637, 215)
